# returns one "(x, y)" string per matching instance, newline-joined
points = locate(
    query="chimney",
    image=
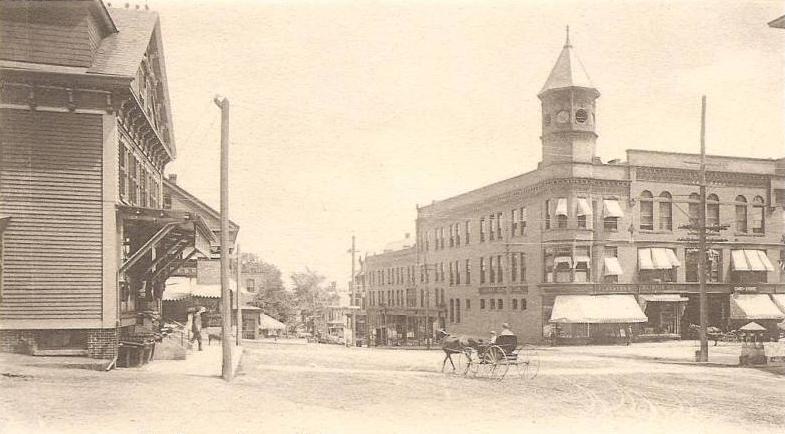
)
(173, 178)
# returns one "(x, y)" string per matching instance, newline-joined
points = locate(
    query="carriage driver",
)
(506, 330)
(492, 339)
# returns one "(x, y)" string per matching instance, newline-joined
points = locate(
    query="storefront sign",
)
(745, 289)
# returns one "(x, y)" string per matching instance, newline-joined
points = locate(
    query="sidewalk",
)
(678, 352)
(206, 363)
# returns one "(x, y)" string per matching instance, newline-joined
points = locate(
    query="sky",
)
(345, 115)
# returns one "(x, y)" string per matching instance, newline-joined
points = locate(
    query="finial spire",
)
(567, 42)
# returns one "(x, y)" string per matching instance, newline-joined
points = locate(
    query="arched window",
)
(741, 214)
(694, 209)
(666, 211)
(712, 210)
(758, 218)
(647, 211)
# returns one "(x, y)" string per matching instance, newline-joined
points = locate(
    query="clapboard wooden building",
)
(86, 134)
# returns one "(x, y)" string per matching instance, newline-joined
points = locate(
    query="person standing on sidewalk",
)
(196, 327)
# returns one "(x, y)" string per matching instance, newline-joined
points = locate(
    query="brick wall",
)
(102, 343)
(13, 341)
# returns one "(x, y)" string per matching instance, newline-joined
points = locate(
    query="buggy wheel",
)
(497, 359)
(529, 363)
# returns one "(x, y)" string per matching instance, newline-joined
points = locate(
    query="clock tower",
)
(568, 111)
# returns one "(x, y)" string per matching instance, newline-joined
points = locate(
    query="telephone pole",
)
(226, 309)
(353, 339)
(703, 356)
(239, 312)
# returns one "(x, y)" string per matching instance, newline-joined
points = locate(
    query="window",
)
(514, 304)
(250, 285)
(694, 209)
(458, 310)
(523, 304)
(500, 269)
(482, 229)
(482, 269)
(522, 267)
(457, 234)
(457, 273)
(522, 225)
(611, 275)
(452, 310)
(547, 213)
(441, 271)
(500, 304)
(666, 211)
(123, 164)
(713, 265)
(468, 272)
(132, 167)
(713, 211)
(611, 214)
(468, 304)
(514, 223)
(441, 237)
(467, 232)
(499, 217)
(492, 269)
(482, 303)
(583, 212)
(647, 211)
(741, 214)
(758, 219)
(493, 303)
(582, 260)
(513, 267)
(492, 228)
(422, 298)
(452, 236)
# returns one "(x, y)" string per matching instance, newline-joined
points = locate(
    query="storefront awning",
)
(613, 267)
(657, 258)
(596, 309)
(611, 208)
(267, 322)
(779, 300)
(750, 260)
(754, 307)
(178, 288)
(561, 206)
(583, 208)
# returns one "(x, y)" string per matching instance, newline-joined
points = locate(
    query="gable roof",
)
(198, 204)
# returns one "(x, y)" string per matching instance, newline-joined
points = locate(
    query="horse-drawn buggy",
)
(491, 360)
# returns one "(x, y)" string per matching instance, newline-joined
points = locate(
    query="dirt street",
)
(325, 388)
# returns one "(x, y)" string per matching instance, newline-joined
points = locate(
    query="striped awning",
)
(754, 307)
(596, 309)
(611, 208)
(657, 258)
(750, 260)
(613, 267)
(561, 207)
(779, 301)
(582, 207)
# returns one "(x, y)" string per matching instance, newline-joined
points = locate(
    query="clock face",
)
(562, 117)
(581, 116)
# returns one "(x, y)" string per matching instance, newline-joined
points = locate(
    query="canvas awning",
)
(561, 206)
(613, 267)
(596, 309)
(582, 260)
(611, 208)
(779, 301)
(750, 260)
(582, 207)
(754, 307)
(267, 322)
(562, 260)
(178, 288)
(657, 258)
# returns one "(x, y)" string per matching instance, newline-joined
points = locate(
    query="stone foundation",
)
(99, 343)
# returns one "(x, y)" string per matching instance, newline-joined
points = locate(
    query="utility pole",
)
(239, 313)
(226, 309)
(703, 356)
(353, 302)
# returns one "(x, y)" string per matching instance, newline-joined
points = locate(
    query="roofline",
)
(108, 21)
(727, 157)
(553, 89)
(198, 202)
(109, 80)
(778, 23)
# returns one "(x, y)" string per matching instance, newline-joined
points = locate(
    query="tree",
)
(271, 296)
(310, 295)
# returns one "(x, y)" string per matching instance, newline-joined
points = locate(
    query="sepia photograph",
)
(392, 216)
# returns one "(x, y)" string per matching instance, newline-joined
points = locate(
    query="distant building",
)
(584, 249)
(86, 242)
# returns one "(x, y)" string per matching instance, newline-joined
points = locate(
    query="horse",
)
(455, 344)
(712, 333)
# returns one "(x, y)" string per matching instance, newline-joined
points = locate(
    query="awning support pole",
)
(149, 245)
